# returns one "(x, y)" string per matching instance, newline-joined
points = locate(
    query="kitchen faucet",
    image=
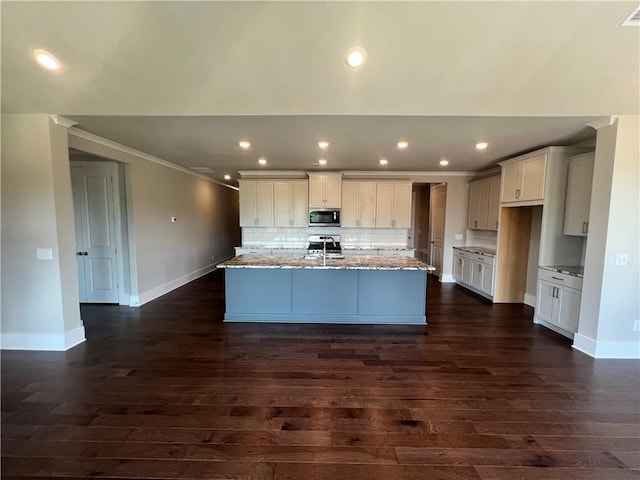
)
(324, 248)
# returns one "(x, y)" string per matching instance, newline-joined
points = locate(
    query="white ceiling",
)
(184, 81)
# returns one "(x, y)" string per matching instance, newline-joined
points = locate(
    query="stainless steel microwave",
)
(324, 217)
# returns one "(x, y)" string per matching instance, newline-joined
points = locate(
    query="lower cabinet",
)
(558, 301)
(475, 272)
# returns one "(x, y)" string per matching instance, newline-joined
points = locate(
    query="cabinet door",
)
(493, 213)
(511, 188)
(483, 209)
(457, 268)
(576, 214)
(467, 271)
(384, 205)
(568, 300)
(545, 303)
(247, 203)
(282, 204)
(333, 190)
(487, 280)
(316, 191)
(264, 204)
(367, 205)
(474, 206)
(402, 205)
(477, 272)
(349, 213)
(300, 203)
(533, 178)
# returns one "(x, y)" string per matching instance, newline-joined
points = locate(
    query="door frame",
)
(432, 192)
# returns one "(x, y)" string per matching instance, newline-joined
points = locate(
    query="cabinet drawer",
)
(560, 278)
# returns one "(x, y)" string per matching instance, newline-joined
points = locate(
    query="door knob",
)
(78, 253)
(85, 253)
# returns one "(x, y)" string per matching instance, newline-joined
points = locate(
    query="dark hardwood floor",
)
(169, 391)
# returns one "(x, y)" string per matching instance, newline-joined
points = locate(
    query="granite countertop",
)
(390, 249)
(575, 271)
(359, 262)
(489, 252)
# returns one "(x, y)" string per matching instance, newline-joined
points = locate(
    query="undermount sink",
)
(316, 256)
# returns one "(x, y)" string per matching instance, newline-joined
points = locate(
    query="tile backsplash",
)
(285, 237)
(482, 238)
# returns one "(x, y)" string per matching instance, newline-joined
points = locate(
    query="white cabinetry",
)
(474, 271)
(484, 204)
(358, 204)
(558, 301)
(579, 181)
(291, 205)
(256, 203)
(523, 179)
(325, 190)
(393, 205)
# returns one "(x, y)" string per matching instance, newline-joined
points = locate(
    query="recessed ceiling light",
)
(323, 144)
(322, 161)
(227, 177)
(403, 144)
(383, 161)
(262, 161)
(482, 145)
(244, 144)
(355, 57)
(46, 60)
(444, 162)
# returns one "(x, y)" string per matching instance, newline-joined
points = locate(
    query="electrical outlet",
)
(636, 325)
(622, 258)
(459, 236)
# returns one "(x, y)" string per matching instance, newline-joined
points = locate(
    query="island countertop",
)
(356, 262)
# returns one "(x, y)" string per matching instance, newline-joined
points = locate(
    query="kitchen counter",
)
(489, 252)
(574, 271)
(355, 262)
(368, 289)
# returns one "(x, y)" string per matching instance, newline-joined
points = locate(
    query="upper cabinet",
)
(256, 203)
(579, 181)
(523, 179)
(291, 203)
(484, 204)
(325, 190)
(393, 205)
(358, 204)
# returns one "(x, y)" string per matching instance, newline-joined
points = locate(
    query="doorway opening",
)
(428, 222)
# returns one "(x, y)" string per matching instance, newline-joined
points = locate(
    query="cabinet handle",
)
(553, 292)
(558, 278)
(475, 223)
(459, 261)
(79, 253)
(517, 193)
(480, 268)
(586, 228)
(496, 224)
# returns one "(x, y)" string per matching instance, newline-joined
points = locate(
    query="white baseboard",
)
(145, 297)
(448, 278)
(607, 349)
(58, 342)
(530, 300)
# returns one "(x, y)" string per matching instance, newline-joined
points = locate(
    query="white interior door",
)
(437, 207)
(93, 198)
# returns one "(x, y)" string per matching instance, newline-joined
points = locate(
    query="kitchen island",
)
(354, 289)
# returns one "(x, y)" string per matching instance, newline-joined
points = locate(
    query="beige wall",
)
(610, 301)
(39, 297)
(166, 252)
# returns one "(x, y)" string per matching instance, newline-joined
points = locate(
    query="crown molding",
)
(407, 175)
(602, 122)
(272, 174)
(145, 156)
(62, 121)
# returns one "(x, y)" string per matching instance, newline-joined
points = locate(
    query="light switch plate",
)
(459, 236)
(44, 253)
(622, 259)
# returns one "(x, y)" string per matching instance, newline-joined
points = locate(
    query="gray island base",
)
(290, 289)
